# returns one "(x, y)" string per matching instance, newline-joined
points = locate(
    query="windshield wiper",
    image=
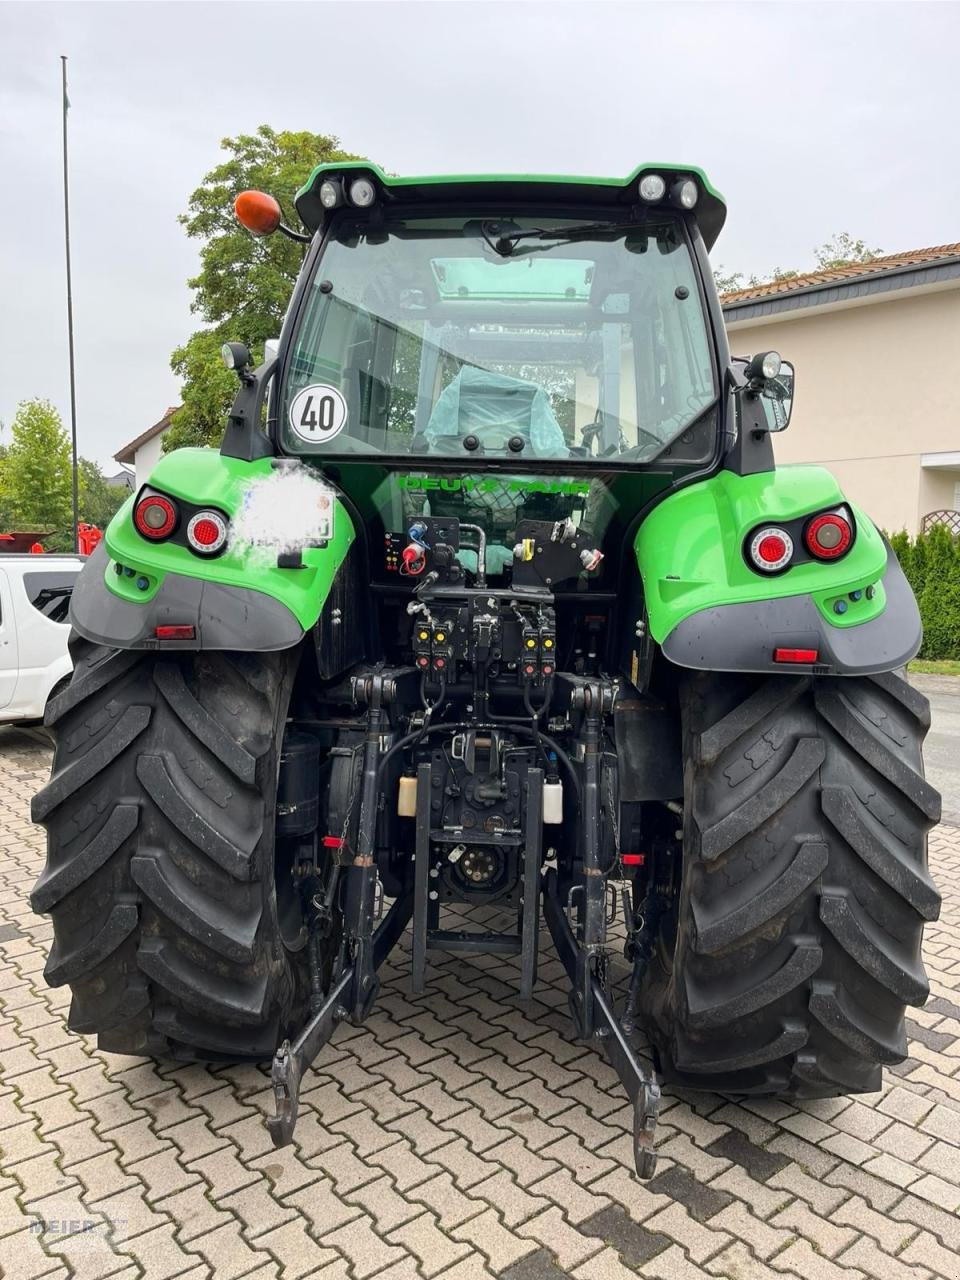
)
(504, 243)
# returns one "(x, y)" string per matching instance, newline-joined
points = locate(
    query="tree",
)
(36, 489)
(841, 250)
(940, 598)
(918, 565)
(931, 564)
(900, 542)
(99, 501)
(5, 511)
(727, 281)
(243, 286)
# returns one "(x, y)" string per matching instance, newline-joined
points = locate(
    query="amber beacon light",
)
(258, 212)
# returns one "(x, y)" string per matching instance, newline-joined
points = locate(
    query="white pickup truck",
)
(35, 595)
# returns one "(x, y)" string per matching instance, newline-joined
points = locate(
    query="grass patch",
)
(943, 667)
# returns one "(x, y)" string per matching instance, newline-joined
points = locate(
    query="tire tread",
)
(159, 874)
(804, 887)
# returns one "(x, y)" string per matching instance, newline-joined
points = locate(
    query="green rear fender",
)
(708, 609)
(239, 599)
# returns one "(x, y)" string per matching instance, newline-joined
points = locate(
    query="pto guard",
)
(239, 600)
(709, 610)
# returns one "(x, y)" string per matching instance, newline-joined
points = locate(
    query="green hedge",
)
(931, 562)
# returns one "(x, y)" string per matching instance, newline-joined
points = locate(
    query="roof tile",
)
(890, 262)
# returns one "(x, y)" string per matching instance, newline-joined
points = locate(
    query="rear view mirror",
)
(777, 398)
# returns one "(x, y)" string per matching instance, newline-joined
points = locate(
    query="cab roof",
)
(549, 189)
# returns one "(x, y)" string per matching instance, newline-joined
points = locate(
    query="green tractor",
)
(493, 605)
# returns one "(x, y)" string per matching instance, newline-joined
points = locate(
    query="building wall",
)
(147, 457)
(877, 387)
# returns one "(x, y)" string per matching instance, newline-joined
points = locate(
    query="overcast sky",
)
(810, 118)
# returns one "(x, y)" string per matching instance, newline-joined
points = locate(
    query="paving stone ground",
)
(452, 1136)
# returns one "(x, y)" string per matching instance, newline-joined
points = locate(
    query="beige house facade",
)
(877, 353)
(144, 452)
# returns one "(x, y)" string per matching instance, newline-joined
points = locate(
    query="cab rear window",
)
(578, 342)
(49, 592)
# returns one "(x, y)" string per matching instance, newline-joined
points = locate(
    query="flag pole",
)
(73, 377)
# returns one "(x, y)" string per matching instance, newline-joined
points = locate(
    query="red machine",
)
(31, 541)
(88, 535)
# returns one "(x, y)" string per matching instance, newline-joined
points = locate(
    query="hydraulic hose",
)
(548, 770)
(415, 738)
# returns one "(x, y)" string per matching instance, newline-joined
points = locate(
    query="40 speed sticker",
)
(318, 413)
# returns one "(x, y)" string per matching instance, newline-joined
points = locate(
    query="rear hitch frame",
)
(366, 944)
(640, 1084)
(590, 1006)
(291, 1061)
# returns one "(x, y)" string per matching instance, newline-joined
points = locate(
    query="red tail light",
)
(828, 536)
(155, 517)
(207, 533)
(770, 549)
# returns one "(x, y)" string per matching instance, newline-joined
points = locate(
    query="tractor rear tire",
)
(160, 816)
(793, 946)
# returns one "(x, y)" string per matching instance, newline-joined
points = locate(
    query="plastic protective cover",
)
(494, 407)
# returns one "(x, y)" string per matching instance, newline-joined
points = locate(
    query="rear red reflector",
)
(632, 859)
(795, 655)
(332, 842)
(175, 633)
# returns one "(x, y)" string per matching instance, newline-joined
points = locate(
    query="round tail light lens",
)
(155, 517)
(207, 532)
(771, 549)
(828, 536)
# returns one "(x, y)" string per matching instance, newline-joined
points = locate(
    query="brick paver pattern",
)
(455, 1135)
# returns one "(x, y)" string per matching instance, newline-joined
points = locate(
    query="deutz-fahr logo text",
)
(493, 484)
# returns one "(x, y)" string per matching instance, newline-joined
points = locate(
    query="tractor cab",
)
(498, 374)
(499, 352)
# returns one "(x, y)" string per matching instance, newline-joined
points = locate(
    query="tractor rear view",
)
(493, 597)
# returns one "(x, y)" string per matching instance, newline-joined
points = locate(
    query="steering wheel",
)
(591, 436)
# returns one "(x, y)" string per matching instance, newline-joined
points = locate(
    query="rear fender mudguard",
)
(708, 609)
(240, 599)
